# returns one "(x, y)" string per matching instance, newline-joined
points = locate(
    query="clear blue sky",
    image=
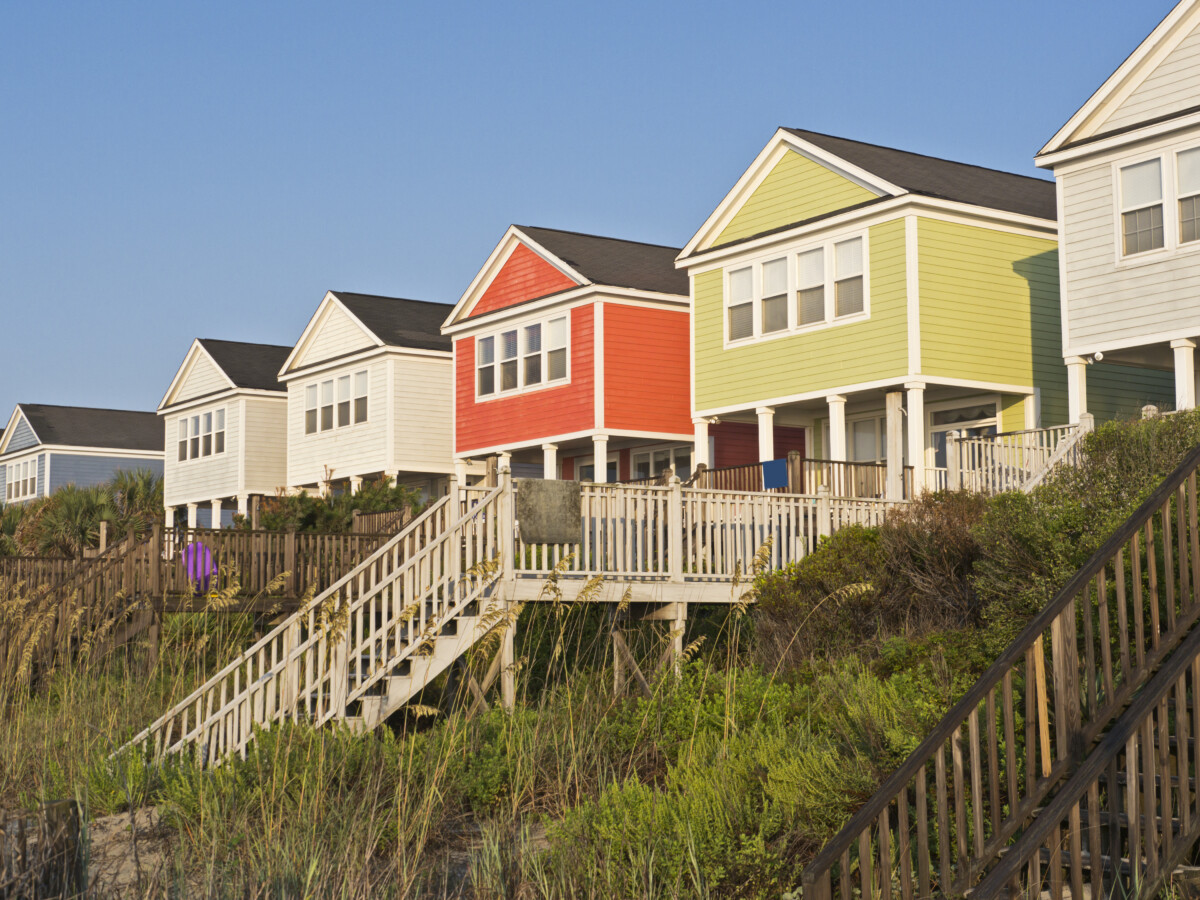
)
(177, 170)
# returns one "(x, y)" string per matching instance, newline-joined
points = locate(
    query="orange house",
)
(571, 348)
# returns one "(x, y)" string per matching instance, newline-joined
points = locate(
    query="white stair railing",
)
(1013, 461)
(323, 657)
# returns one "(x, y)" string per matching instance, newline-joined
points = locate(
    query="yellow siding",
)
(795, 190)
(818, 360)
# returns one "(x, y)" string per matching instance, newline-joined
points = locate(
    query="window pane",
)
(556, 364)
(864, 441)
(849, 296)
(741, 286)
(183, 429)
(1143, 230)
(811, 268)
(487, 351)
(775, 277)
(194, 450)
(848, 258)
(343, 385)
(774, 313)
(508, 345)
(208, 420)
(964, 414)
(310, 397)
(326, 392)
(220, 420)
(641, 466)
(182, 451)
(662, 461)
(508, 375)
(533, 369)
(219, 441)
(487, 380)
(1189, 213)
(557, 336)
(812, 305)
(360, 409)
(326, 418)
(343, 413)
(741, 321)
(195, 426)
(533, 338)
(1141, 185)
(207, 444)
(310, 421)
(360, 384)
(683, 464)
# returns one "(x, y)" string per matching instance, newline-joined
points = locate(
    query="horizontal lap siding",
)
(423, 415)
(737, 443)
(41, 476)
(354, 450)
(1120, 392)
(1172, 87)
(647, 369)
(795, 189)
(524, 418)
(23, 436)
(206, 478)
(266, 445)
(813, 361)
(1106, 302)
(990, 311)
(524, 276)
(338, 335)
(83, 471)
(204, 379)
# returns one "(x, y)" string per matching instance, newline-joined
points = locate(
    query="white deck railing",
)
(1013, 461)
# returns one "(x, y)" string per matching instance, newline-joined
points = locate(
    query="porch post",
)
(1076, 387)
(355, 483)
(766, 433)
(243, 505)
(895, 446)
(168, 517)
(700, 451)
(600, 458)
(216, 514)
(915, 397)
(837, 427)
(1185, 373)
(550, 461)
(460, 472)
(192, 507)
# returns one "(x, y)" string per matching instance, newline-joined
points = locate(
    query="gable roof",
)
(397, 322)
(1084, 126)
(254, 366)
(81, 426)
(885, 172)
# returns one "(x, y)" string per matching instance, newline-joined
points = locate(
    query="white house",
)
(368, 395)
(1128, 171)
(224, 418)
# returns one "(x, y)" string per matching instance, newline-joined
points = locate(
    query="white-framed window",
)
(813, 287)
(1158, 204)
(1188, 184)
(1142, 226)
(336, 402)
(21, 480)
(201, 435)
(523, 357)
(976, 418)
(651, 463)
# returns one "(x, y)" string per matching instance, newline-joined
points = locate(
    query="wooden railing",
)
(805, 476)
(1065, 679)
(390, 521)
(1012, 461)
(35, 570)
(325, 656)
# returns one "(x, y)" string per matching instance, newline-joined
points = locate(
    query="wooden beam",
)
(626, 655)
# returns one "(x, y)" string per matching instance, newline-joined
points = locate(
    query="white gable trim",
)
(11, 428)
(570, 299)
(218, 396)
(189, 363)
(780, 144)
(1128, 77)
(328, 302)
(513, 238)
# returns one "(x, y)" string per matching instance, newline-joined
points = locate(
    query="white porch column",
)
(192, 507)
(460, 472)
(169, 517)
(243, 502)
(504, 461)
(1076, 387)
(700, 451)
(837, 427)
(766, 433)
(355, 483)
(550, 461)
(216, 514)
(1185, 373)
(600, 458)
(915, 398)
(895, 445)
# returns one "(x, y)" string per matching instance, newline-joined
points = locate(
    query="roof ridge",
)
(599, 237)
(386, 297)
(244, 343)
(88, 408)
(802, 131)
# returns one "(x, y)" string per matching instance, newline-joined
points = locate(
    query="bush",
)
(332, 514)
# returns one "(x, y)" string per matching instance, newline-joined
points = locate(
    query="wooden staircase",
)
(1071, 764)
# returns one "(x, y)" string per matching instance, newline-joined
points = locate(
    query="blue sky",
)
(179, 170)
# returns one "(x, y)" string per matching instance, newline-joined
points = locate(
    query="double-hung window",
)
(775, 296)
(848, 258)
(810, 287)
(1142, 226)
(336, 402)
(201, 435)
(529, 356)
(1189, 195)
(741, 303)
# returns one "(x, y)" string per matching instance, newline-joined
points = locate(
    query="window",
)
(201, 435)
(528, 357)
(335, 403)
(653, 463)
(1142, 207)
(20, 480)
(816, 287)
(1189, 195)
(971, 421)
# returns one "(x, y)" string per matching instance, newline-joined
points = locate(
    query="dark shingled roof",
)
(400, 323)
(614, 262)
(253, 366)
(79, 426)
(933, 177)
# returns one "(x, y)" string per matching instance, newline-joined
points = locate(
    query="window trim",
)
(334, 381)
(1172, 244)
(25, 485)
(212, 414)
(520, 327)
(792, 254)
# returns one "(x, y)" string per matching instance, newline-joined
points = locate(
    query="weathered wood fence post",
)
(675, 530)
(824, 512)
(954, 474)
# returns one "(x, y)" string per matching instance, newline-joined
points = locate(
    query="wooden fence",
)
(41, 855)
(804, 476)
(36, 570)
(391, 521)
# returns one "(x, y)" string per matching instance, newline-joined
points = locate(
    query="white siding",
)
(1172, 87)
(266, 445)
(207, 478)
(354, 450)
(423, 414)
(204, 379)
(336, 336)
(1108, 302)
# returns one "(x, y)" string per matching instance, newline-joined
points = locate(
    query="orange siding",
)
(524, 418)
(525, 276)
(647, 369)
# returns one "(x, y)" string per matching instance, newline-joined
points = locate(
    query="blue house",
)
(46, 447)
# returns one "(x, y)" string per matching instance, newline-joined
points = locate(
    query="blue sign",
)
(775, 474)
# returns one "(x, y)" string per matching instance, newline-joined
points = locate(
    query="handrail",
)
(1064, 448)
(1059, 616)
